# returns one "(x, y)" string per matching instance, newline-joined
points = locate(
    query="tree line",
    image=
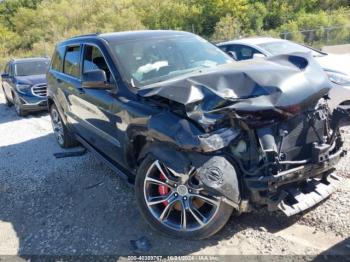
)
(32, 27)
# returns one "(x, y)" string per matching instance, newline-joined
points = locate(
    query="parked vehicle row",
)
(198, 134)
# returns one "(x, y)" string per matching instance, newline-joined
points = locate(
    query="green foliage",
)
(9, 8)
(33, 27)
(254, 20)
(166, 14)
(227, 28)
(211, 11)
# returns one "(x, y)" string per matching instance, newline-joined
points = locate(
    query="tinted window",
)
(57, 59)
(243, 52)
(31, 68)
(223, 48)
(93, 59)
(72, 61)
(11, 69)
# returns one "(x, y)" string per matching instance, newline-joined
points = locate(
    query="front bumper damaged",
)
(319, 189)
(297, 189)
(273, 182)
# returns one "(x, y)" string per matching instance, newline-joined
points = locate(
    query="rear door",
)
(66, 81)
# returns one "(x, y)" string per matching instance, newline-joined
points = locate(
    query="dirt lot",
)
(77, 205)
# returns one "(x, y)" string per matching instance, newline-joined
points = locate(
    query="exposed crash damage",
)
(262, 132)
(199, 134)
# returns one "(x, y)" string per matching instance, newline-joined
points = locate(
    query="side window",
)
(72, 61)
(11, 70)
(223, 48)
(234, 49)
(57, 59)
(244, 52)
(93, 59)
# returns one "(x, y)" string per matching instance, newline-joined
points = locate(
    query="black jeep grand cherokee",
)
(198, 134)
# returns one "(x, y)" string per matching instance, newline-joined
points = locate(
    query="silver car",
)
(337, 67)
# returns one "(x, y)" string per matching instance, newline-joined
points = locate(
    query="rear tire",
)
(197, 225)
(63, 136)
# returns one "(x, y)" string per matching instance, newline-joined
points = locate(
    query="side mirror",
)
(258, 55)
(233, 55)
(5, 75)
(95, 79)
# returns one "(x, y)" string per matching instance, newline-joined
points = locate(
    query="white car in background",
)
(337, 67)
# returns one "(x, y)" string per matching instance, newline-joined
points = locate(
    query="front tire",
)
(177, 208)
(63, 136)
(19, 106)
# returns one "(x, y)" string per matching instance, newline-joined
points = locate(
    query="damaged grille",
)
(39, 90)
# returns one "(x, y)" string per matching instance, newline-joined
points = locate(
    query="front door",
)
(99, 111)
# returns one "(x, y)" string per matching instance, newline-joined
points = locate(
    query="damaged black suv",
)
(199, 134)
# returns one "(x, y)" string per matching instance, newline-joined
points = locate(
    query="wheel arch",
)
(217, 172)
(51, 101)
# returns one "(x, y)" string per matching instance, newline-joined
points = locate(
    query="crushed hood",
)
(276, 83)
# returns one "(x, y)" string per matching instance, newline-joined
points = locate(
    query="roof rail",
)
(77, 36)
(15, 59)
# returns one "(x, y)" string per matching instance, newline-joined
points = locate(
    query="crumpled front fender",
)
(217, 175)
(220, 177)
(169, 128)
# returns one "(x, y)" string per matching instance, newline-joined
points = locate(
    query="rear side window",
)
(57, 59)
(72, 61)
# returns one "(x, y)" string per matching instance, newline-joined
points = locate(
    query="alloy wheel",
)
(178, 201)
(57, 126)
(17, 103)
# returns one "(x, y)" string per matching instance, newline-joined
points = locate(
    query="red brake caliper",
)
(163, 190)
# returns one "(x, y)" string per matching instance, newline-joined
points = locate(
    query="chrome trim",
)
(42, 92)
(33, 104)
(26, 103)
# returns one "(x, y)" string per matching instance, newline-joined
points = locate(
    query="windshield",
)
(286, 47)
(31, 68)
(147, 61)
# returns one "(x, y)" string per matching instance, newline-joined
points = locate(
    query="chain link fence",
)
(319, 37)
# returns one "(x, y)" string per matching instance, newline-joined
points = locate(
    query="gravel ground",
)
(77, 205)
